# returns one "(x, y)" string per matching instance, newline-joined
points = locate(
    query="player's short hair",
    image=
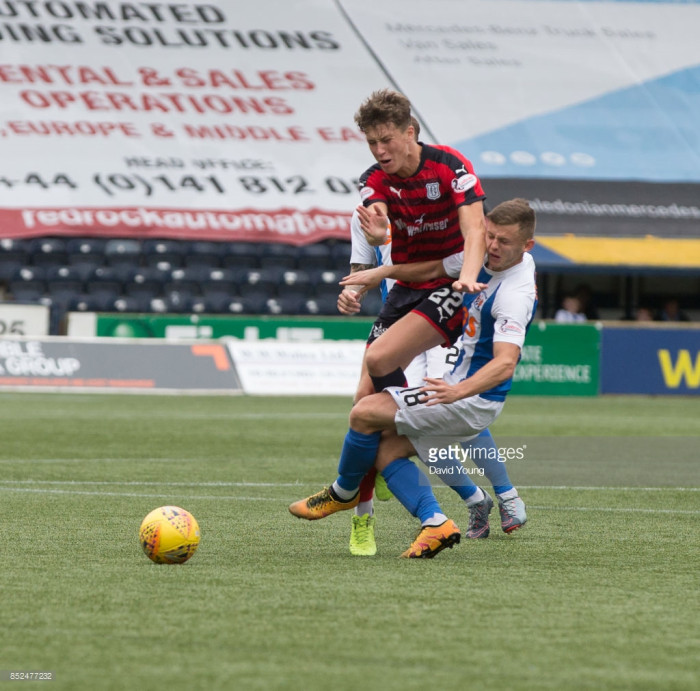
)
(384, 107)
(514, 212)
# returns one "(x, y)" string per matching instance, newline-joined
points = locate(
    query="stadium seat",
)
(289, 304)
(82, 251)
(186, 280)
(341, 255)
(240, 255)
(315, 256)
(28, 284)
(326, 305)
(105, 281)
(48, 252)
(122, 252)
(219, 282)
(145, 281)
(90, 303)
(278, 255)
(171, 251)
(259, 279)
(204, 254)
(126, 303)
(14, 254)
(64, 280)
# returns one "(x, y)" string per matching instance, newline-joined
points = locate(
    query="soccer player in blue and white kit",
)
(388, 427)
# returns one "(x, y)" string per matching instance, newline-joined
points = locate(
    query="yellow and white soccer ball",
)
(169, 535)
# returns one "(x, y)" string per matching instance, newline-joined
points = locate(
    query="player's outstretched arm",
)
(502, 367)
(374, 223)
(473, 226)
(350, 299)
(416, 272)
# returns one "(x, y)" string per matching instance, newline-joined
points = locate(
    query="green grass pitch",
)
(598, 591)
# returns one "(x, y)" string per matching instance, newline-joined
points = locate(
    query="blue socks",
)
(484, 454)
(356, 458)
(415, 493)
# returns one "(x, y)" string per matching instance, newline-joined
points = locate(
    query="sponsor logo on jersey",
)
(479, 301)
(366, 193)
(464, 183)
(506, 328)
(396, 192)
(432, 190)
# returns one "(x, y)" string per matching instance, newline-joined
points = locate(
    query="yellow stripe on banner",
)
(646, 251)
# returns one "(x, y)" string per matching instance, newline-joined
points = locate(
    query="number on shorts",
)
(413, 396)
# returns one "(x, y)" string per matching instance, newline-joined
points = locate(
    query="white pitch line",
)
(613, 510)
(141, 483)
(237, 498)
(614, 489)
(133, 494)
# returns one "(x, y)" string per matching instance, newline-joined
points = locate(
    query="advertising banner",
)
(303, 369)
(559, 360)
(653, 360)
(208, 120)
(246, 328)
(112, 365)
(23, 320)
(234, 121)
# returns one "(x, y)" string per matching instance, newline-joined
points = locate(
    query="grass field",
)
(598, 591)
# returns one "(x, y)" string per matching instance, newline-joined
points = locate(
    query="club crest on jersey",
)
(479, 301)
(432, 190)
(464, 182)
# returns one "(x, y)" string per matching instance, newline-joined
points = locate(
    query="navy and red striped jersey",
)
(423, 207)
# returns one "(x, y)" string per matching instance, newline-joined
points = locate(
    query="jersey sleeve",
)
(512, 312)
(361, 252)
(458, 173)
(371, 187)
(453, 264)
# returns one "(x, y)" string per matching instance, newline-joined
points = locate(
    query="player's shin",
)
(483, 452)
(356, 459)
(413, 490)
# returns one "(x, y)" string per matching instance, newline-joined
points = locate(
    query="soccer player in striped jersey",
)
(434, 202)
(388, 427)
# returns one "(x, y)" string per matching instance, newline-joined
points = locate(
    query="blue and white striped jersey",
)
(503, 311)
